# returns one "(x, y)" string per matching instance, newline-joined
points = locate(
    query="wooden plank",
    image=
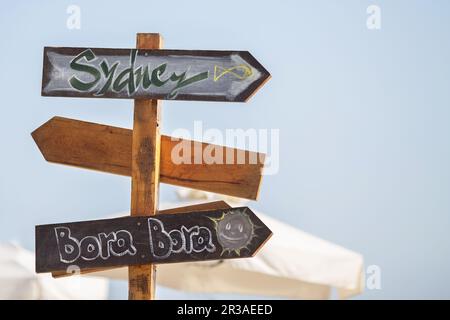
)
(145, 162)
(215, 205)
(108, 149)
(151, 74)
(209, 206)
(163, 238)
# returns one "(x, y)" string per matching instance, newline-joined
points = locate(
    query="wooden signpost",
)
(201, 232)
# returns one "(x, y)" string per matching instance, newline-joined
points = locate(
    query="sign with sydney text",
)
(151, 74)
(164, 238)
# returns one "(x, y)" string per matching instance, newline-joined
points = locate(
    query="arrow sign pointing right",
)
(151, 74)
(165, 238)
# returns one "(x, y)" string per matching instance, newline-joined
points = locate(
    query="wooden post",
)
(145, 173)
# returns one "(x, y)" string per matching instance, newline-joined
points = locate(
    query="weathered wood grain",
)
(108, 149)
(145, 161)
(163, 238)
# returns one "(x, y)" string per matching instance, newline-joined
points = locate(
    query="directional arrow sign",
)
(164, 238)
(151, 74)
(209, 206)
(93, 146)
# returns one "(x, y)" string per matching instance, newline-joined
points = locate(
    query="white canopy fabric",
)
(292, 264)
(18, 280)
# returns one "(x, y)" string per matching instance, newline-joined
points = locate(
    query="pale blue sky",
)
(363, 118)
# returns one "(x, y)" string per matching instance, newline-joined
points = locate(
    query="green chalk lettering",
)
(109, 75)
(130, 78)
(182, 82)
(75, 65)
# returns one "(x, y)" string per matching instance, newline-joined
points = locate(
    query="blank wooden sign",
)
(151, 74)
(108, 149)
(165, 238)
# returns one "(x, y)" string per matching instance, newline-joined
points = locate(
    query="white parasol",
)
(18, 279)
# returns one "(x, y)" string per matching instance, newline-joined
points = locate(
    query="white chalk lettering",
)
(117, 244)
(163, 243)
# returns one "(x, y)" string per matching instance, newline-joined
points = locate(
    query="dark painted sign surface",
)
(164, 238)
(151, 74)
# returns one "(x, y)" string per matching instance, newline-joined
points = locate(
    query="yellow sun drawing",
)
(235, 230)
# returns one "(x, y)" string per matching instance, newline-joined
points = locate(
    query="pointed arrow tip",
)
(258, 83)
(262, 232)
(41, 133)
